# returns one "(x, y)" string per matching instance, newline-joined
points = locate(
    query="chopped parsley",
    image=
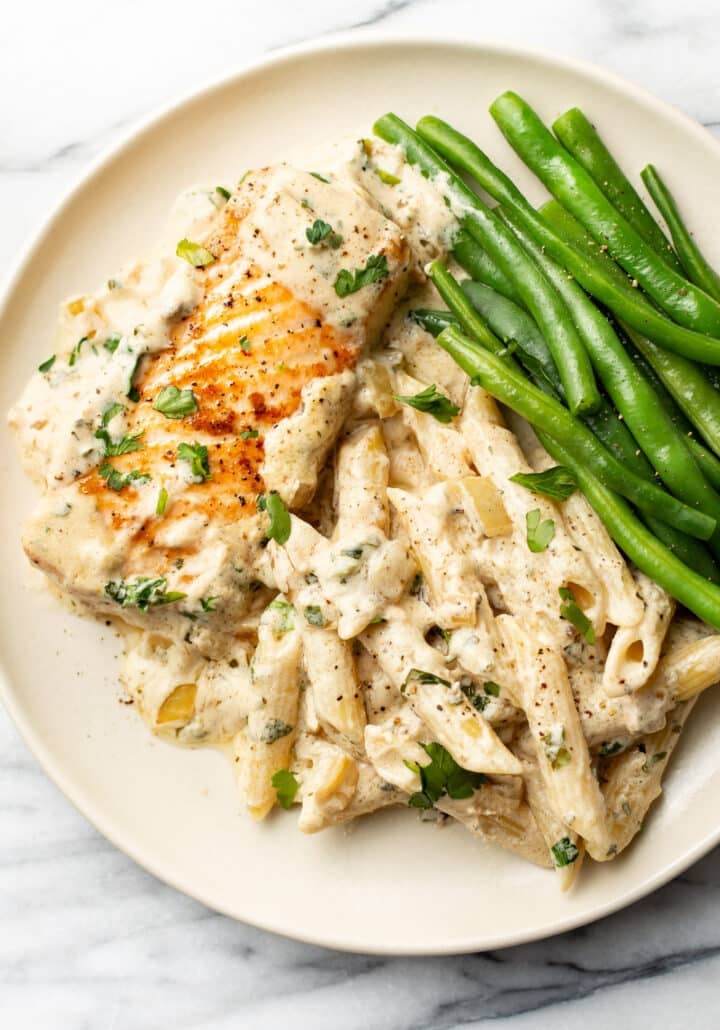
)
(554, 744)
(142, 593)
(387, 177)
(223, 192)
(174, 403)
(612, 748)
(280, 525)
(564, 852)
(126, 444)
(652, 760)
(352, 552)
(273, 730)
(197, 455)
(557, 482)
(286, 620)
(161, 501)
(286, 787)
(442, 775)
(47, 365)
(491, 688)
(571, 611)
(112, 343)
(348, 282)
(431, 401)
(320, 232)
(75, 352)
(193, 253)
(245, 344)
(317, 175)
(208, 604)
(539, 532)
(314, 615)
(477, 700)
(113, 284)
(117, 480)
(249, 434)
(419, 676)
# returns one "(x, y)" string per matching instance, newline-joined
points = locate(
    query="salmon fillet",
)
(247, 395)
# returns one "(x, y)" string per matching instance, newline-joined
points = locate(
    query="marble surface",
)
(87, 939)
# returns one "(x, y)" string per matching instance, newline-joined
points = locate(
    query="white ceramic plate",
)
(390, 884)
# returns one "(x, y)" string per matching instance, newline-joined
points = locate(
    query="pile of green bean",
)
(586, 320)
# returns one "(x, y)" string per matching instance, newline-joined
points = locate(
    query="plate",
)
(390, 884)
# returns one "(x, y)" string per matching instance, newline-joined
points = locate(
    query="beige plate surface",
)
(391, 884)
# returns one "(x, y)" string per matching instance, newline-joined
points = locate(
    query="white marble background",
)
(87, 939)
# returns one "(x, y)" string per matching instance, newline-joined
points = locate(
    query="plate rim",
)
(137, 128)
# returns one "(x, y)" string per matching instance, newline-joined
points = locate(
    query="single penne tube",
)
(443, 448)
(542, 689)
(527, 579)
(361, 480)
(633, 780)
(330, 673)
(441, 541)
(624, 606)
(513, 829)
(565, 847)
(635, 650)
(688, 669)
(265, 746)
(328, 780)
(419, 671)
(407, 466)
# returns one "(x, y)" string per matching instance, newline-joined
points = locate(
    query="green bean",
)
(569, 183)
(541, 299)
(581, 139)
(510, 387)
(614, 434)
(599, 277)
(688, 385)
(632, 395)
(692, 590)
(696, 266)
(480, 266)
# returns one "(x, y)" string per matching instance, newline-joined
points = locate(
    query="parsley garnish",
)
(249, 434)
(273, 730)
(47, 365)
(75, 352)
(193, 253)
(564, 852)
(433, 402)
(314, 615)
(652, 760)
(208, 604)
(478, 701)
(352, 552)
(143, 593)
(280, 525)
(117, 480)
(317, 175)
(387, 177)
(574, 614)
(348, 282)
(287, 615)
(126, 444)
(557, 482)
(321, 231)
(174, 403)
(491, 688)
(612, 748)
(244, 344)
(442, 776)
(197, 455)
(554, 743)
(539, 533)
(161, 501)
(286, 787)
(112, 343)
(419, 676)
(223, 192)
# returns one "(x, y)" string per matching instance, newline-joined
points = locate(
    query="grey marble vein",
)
(89, 940)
